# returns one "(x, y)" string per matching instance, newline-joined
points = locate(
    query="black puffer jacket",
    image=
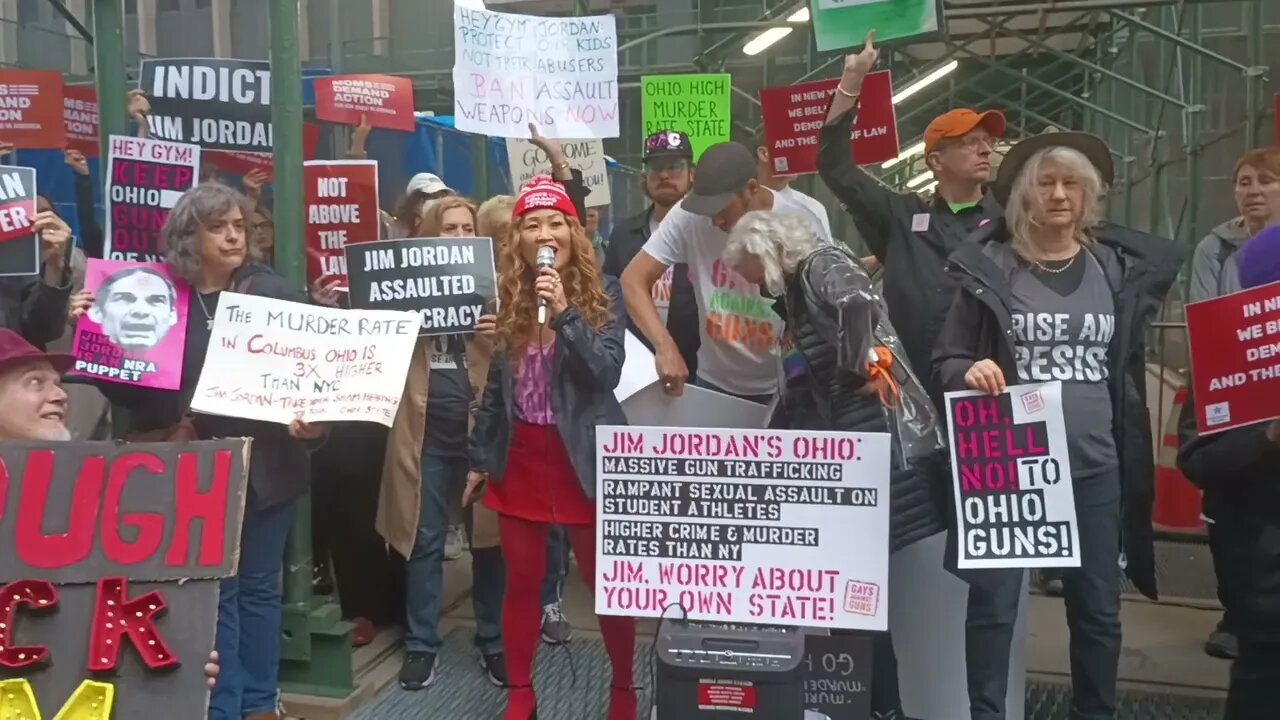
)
(1243, 467)
(1140, 268)
(835, 318)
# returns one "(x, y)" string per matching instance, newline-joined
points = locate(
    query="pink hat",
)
(543, 193)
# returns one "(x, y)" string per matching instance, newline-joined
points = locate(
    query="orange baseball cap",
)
(960, 122)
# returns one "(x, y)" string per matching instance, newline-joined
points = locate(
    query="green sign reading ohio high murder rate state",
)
(695, 104)
(839, 24)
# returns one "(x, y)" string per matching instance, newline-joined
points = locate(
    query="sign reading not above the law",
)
(277, 361)
(449, 281)
(560, 73)
(216, 104)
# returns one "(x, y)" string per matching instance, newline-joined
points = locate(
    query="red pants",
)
(524, 548)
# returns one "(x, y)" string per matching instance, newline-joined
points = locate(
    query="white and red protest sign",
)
(751, 526)
(145, 178)
(19, 247)
(794, 115)
(386, 101)
(80, 115)
(31, 109)
(1235, 358)
(341, 198)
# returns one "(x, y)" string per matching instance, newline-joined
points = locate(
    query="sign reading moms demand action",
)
(216, 104)
(1013, 496)
(31, 109)
(386, 101)
(512, 70)
(748, 526)
(448, 281)
(145, 179)
(80, 115)
(112, 557)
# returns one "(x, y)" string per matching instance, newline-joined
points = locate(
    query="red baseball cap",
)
(960, 122)
(543, 193)
(15, 349)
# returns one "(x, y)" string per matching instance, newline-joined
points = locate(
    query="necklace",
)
(1055, 271)
(208, 316)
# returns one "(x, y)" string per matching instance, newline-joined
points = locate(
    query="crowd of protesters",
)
(493, 446)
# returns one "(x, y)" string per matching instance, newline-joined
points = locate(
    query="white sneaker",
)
(455, 542)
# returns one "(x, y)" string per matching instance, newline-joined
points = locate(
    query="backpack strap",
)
(1225, 252)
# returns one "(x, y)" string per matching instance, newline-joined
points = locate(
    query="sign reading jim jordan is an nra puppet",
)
(110, 556)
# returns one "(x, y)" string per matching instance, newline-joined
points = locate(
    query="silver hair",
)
(201, 204)
(779, 240)
(1024, 197)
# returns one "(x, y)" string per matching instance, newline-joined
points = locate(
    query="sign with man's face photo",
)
(136, 308)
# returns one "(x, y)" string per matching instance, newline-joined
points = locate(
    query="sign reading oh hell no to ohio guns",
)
(448, 281)
(1012, 479)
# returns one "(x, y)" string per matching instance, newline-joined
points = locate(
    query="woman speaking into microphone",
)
(558, 357)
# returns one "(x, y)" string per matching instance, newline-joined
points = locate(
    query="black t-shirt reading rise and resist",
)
(448, 398)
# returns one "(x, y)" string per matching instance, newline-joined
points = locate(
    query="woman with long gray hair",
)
(206, 245)
(846, 371)
(1050, 293)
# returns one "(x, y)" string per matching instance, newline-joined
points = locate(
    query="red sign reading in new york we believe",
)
(1235, 358)
(341, 199)
(794, 116)
(385, 100)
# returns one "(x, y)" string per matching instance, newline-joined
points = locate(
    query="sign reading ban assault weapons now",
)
(110, 557)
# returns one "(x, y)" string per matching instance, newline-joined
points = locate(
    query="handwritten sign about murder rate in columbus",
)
(1235, 358)
(526, 160)
(145, 179)
(113, 553)
(385, 101)
(794, 116)
(216, 104)
(277, 361)
(31, 109)
(80, 115)
(341, 199)
(697, 105)
(136, 329)
(1012, 479)
(19, 246)
(560, 73)
(748, 526)
(449, 282)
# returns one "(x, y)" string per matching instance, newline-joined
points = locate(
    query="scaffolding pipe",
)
(1178, 39)
(108, 51)
(1254, 77)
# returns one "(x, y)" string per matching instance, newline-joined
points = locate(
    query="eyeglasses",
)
(264, 225)
(658, 166)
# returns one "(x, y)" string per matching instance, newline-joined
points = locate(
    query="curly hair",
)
(433, 219)
(201, 204)
(580, 279)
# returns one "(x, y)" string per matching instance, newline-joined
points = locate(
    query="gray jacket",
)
(584, 373)
(1213, 266)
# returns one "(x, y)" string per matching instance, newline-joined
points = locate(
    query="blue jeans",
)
(441, 478)
(557, 566)
(249, 616)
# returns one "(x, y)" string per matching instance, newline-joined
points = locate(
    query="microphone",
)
(546, 259)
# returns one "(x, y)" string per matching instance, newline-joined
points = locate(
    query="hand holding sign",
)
(54, 235)
(985, 376)
(75, 159)
(78, 305)
(300, 429)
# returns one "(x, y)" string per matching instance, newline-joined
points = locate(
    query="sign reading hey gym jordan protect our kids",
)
(216, 104)
(752, 526)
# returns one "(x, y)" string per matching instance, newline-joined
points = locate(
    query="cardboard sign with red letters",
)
(31, 109)
(1235, 358)
(794, 116)
(80, 115)
(341, 198)
(385, 100)
(112, 557)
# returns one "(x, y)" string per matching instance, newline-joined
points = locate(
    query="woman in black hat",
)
(1049, 293)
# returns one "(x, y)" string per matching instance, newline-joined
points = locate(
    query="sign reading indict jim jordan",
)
(341, 202)
(19, 246)
(560, 73)
(31, 109)
(526, 160)
(697, 105)
(748, 526)
(1012, 479)
(841, 24)
(277, 361)
(794, 116)
(136, 329)
(1235, 358)
(110, 574)
(216, 104)
(145, 179)
(449, 282)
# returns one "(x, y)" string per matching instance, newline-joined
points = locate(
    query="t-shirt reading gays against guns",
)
(740, 330)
